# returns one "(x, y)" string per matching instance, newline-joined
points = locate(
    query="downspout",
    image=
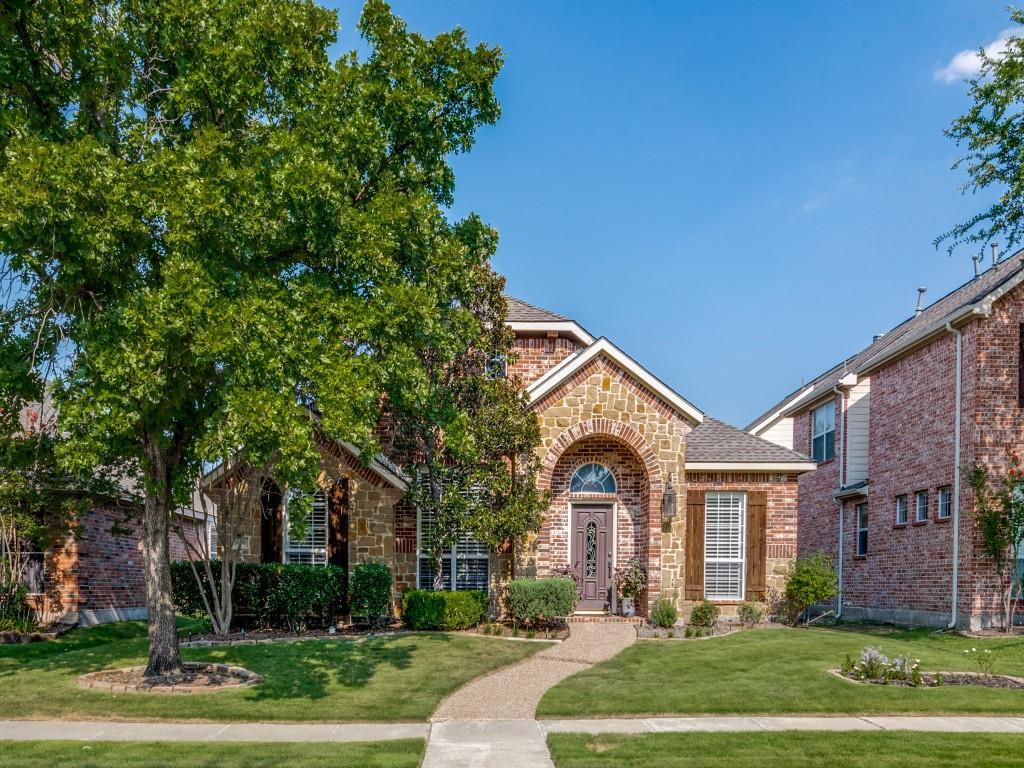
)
(839, 502)
(956, 475)
(839, 561)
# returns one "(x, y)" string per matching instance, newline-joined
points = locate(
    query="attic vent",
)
(876, 337)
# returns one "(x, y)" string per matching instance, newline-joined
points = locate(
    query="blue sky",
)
(737, 194)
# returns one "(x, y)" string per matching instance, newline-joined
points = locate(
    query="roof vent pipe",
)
(876, 337)
(977, 265)
(920, 301)
(995, 253)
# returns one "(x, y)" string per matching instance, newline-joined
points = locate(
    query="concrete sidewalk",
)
(82, 730)
(481, 731)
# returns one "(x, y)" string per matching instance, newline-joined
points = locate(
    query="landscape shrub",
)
(271, 594)
(444, 610)
(15, 614)
(811, 581)
(370, 585)
(540, 601)
(704, 614)
(664, 613)
(751, 613)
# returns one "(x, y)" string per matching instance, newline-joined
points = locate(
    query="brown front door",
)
(592, 554)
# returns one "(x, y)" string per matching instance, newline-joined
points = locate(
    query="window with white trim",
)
(901, 510)
(311, 549)
(862, 530)
(921, 507)
(725, 518)
(33, 568)
(823, 432)
(945, 502)
(496, 367)
(471, 560)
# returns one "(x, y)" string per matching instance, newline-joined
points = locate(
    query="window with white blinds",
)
(469, 557)
(311, 549)
(725, 517)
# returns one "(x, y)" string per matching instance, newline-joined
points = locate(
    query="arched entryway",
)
(602, 487)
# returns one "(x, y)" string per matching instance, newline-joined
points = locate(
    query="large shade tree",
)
(218, 231)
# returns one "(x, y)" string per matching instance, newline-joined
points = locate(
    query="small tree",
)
(232, 506)
(811, 581)
(999, 517)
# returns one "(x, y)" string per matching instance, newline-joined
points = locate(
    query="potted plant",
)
(630, 581)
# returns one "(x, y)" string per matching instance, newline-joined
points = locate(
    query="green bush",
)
(751, 613)
(539, 601)
(423, 609)
(270, 594)
(704, 614)
(15, 614)
(370, 585)
(664, 613)
(811, 580)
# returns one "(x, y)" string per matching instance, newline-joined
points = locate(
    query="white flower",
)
(974, 650)
(987, 651)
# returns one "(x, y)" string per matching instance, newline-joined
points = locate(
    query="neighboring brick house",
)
(616, 441)
(889, 498)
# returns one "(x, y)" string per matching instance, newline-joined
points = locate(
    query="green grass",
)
(402, 677)
(110, 754)
(787, 750)
(780, 671)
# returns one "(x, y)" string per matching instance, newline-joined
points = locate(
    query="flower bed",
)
(196, 677)
(940, 680)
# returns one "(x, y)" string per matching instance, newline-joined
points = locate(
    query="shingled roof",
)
(907, 334)
(715, 441)
(521, 312)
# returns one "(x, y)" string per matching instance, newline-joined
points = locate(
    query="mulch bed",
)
(349, 632)
(948, 679)
(196, 677)
(38, 636)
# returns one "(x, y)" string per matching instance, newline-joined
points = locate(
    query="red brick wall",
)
(535, 355)
(817, 515)
(781, 528)
(631, 498)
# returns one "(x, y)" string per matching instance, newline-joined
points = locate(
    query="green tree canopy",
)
(216, 230)
(992, 131)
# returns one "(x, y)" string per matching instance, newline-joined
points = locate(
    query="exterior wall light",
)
(668, 501)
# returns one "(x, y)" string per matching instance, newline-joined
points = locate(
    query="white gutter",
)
(839, 563)
(956, 476)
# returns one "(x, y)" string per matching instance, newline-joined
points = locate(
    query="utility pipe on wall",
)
(956, 475)
(841, 415)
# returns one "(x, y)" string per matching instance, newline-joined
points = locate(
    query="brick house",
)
(618, 445)
(893, 428)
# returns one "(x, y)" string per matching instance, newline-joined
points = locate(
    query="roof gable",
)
(604, 348)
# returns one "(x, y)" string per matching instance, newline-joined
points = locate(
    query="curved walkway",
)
(513, 693)
(490, 721)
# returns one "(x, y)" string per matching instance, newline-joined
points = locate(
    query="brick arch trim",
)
(603, 428)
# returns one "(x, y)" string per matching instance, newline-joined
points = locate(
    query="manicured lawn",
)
(110, 754)
(787, 750)
(780, 671)
(403, 677)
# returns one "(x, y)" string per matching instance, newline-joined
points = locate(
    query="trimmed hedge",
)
(272, 594)
(539, 601)
(424, 609)
(370, 586)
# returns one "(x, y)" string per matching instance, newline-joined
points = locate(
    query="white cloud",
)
(967, 63)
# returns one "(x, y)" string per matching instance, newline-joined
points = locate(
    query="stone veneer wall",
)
(602, 399)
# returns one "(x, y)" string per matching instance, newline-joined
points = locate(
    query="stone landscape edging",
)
(243, 679)
(977, 675)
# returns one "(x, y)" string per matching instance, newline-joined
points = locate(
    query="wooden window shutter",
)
(694, 545)
(757, 549)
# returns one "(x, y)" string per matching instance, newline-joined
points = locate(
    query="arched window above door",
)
(592, 478)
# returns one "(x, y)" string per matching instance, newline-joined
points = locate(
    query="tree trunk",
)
(164, 656)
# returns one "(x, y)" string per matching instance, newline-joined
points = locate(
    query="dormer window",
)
(592, 478)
